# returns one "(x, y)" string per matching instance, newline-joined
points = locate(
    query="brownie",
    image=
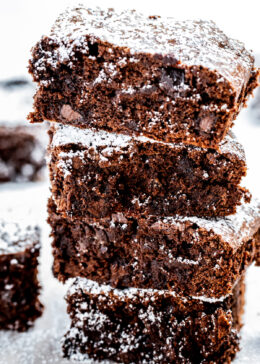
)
(150, 326)
(96, 173)
(190, 255)
(181, 81)
(19, 285)
(22, 147)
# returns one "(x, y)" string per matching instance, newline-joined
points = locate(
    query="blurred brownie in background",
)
(22, 147)
(19, 285)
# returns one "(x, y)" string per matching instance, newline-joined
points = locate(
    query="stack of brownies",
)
(147, 210)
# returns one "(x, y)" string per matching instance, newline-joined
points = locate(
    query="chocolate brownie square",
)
(19, 285)
(189, 255)
(95, 174)
(150, 326)
(176, 81)
(22, 147)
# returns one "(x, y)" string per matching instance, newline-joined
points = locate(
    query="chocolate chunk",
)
(69, 114)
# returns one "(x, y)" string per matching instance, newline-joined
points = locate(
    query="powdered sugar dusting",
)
(191, 42)
(66, 134)
(230, 145)
(66, 164)
(234, 229)
(130, 293)
(15, 237)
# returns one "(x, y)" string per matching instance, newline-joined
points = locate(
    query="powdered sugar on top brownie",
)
(16, 237)
(66, 135)
(234, 229)
(189, 42)
(94, 288)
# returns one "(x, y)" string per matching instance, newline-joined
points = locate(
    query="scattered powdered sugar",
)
(94, 288)
(128, 90)
(191, 42)
(210, 299)
(179, 259)
(182, 260)
(15, 237)
(76, 354)
(143, 302)
(229, 145)
(67, 134)
(94, 318)
(66, 164)
(234, 229)
(101, 77)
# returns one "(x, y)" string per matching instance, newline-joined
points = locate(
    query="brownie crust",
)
(192, 256)
(95, 174)
(125, 72)
(147, 326)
